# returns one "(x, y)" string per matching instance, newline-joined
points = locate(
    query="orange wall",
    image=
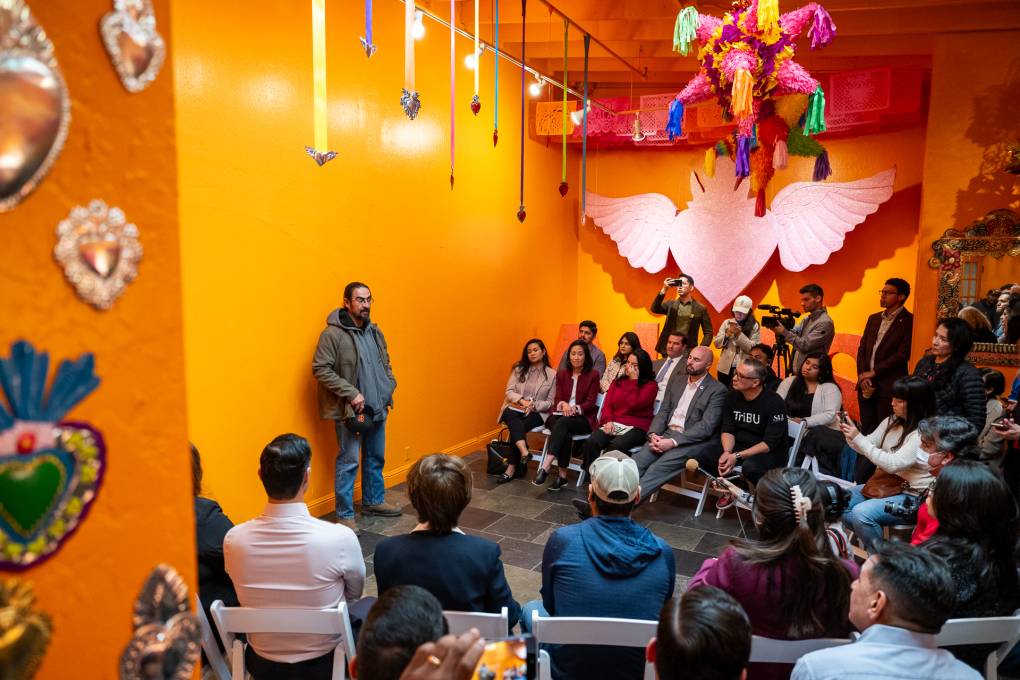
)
(885, 245)
(120, 148)
(972, 120)
(269, 239)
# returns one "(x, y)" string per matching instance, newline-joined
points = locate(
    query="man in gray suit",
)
(686, 426)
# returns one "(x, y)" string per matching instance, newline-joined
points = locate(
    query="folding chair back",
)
(490, 626)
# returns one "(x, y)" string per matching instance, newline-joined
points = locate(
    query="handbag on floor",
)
(497, 452)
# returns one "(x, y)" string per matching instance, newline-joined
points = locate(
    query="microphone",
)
(743, 498)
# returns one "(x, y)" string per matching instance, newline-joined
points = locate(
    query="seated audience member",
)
(754, 429)
(902, 598)
(703, 634)
(464, 572)
(285, 558)
(957, 382)
(629, 342)
(944, 440)
(882, 357)
(673, 364)
(1002, 315)
(736, 338)
(980, 326)
(211, 526)
(788, 581)
(606, 566)
(977, 537)
(627, 410)
(403, 618)
(687, 425)
(764, 355)
(586, 332)
(990, 441)
(894, 447)
(448, 658)
(813, 398)
(529, 393)
(574, 413)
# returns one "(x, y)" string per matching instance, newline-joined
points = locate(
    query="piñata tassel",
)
(822, 167)
(674, 126)
(743, 156)
(741, 93)
(814, 121)
(710, 162)
(685, 31)
(759, 203)
(822, 30)
(781, 156)
(768, 20)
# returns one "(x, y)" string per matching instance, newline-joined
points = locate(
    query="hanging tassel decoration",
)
(495, 88)
(409, 100)
(674, 124)
(563, 180)
(743, 156)
(453, 83)
(584, 132)
(781, 156)
(366, 40)
(741, 93)
(759, 203)
(710, 162)
(768, 20)
(822, 30)
(319, 152)
(822, 167)
(521, 213)
(814, 121)
(685, 31)
(476, 103)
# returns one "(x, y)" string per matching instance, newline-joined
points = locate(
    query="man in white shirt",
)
(675, 364)
(285, 558)
(686, 426)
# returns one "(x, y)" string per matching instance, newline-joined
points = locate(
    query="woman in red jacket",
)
(627, 409)
(577, 388)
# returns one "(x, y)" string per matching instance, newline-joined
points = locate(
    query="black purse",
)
(497, 452)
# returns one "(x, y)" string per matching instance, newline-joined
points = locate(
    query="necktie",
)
(664, 371)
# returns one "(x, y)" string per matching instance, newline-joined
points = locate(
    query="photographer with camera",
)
(813, 334)
(683, 315)
(894, 447)
(736, 338)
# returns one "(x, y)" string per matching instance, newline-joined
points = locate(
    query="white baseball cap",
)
(614, 472)
(742, 304)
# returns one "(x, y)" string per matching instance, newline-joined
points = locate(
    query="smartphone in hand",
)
(506, 660)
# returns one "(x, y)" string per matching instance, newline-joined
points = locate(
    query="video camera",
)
(781, 315)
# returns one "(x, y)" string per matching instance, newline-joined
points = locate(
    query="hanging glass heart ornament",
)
(25, 631)
(99, 251)
(35, 108)
(320, 152)
(135, 46)
(409, 100)
(50, 469)
(366, 40)
(166, 634)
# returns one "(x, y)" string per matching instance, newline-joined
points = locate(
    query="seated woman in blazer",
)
(813, 399)
(464, 572)
(577, 388)
(529, 393)
(627, 409)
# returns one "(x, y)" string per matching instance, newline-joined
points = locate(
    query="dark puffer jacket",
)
(959, 390)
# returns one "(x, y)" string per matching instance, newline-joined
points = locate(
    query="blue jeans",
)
(532, 606)
(868, 515)
(373, 449)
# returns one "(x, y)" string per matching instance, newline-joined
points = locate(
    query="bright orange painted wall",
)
(269, 239)
(885, 245)
(120, 148)
(972, 120)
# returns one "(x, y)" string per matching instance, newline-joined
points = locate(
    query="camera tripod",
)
(781, 356)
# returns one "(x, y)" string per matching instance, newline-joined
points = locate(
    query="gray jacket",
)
(335, 365)
(704, 415)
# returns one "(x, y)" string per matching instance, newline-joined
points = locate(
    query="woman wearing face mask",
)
(629, 342)
(736, 338)
(627, 410)
(959, 390)
(895, 449)
(529, 392)
(944, 439)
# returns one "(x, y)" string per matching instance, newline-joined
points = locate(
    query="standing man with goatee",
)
(356, 384)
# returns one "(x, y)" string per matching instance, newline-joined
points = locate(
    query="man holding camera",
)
(683, 315)
(815, 332)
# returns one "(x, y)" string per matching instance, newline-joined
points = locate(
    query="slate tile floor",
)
(521, 516)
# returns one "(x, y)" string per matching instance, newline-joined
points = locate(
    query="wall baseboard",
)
(324, 505)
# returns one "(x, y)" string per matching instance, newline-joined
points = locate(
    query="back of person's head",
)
(788, 511)
(973, 503)
(703, 634)
(440, 488)
(951, 434)
(835, 500)
(196, 470)
(975, 318)
(917, 585)
(590, 325)
(901, 286)
(960, 337)
(995, 382)
(615, 484)
(283, 464)
(402, 619)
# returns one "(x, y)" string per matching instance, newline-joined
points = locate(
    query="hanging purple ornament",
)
(366, 41)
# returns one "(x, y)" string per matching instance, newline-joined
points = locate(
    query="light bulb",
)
(536, 87)
(577, 116)
(638, 135)
(470, 62)
(418, 30)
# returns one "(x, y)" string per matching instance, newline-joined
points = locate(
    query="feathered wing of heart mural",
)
(808, 221)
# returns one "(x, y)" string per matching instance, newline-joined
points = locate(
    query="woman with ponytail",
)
(790, 583)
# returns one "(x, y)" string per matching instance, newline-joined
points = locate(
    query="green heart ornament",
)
(30, 487)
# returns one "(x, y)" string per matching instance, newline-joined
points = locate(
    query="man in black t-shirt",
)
(754, 427)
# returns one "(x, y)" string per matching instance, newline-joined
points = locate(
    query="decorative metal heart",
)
(24, 632)
(101, 254)
(31, 486)
(135, 47)
(167, 635)
(34, 101)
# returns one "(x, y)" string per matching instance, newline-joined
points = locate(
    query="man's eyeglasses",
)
(363, 301)
(888, 292)
(738, 374)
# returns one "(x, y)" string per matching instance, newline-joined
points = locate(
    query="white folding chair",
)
(212, 650)
(685, 487)
(1001, 630)
(574, 438)
(491, 626)
(796, 431)
(579, 630)
(232, 620)
(767, 650)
